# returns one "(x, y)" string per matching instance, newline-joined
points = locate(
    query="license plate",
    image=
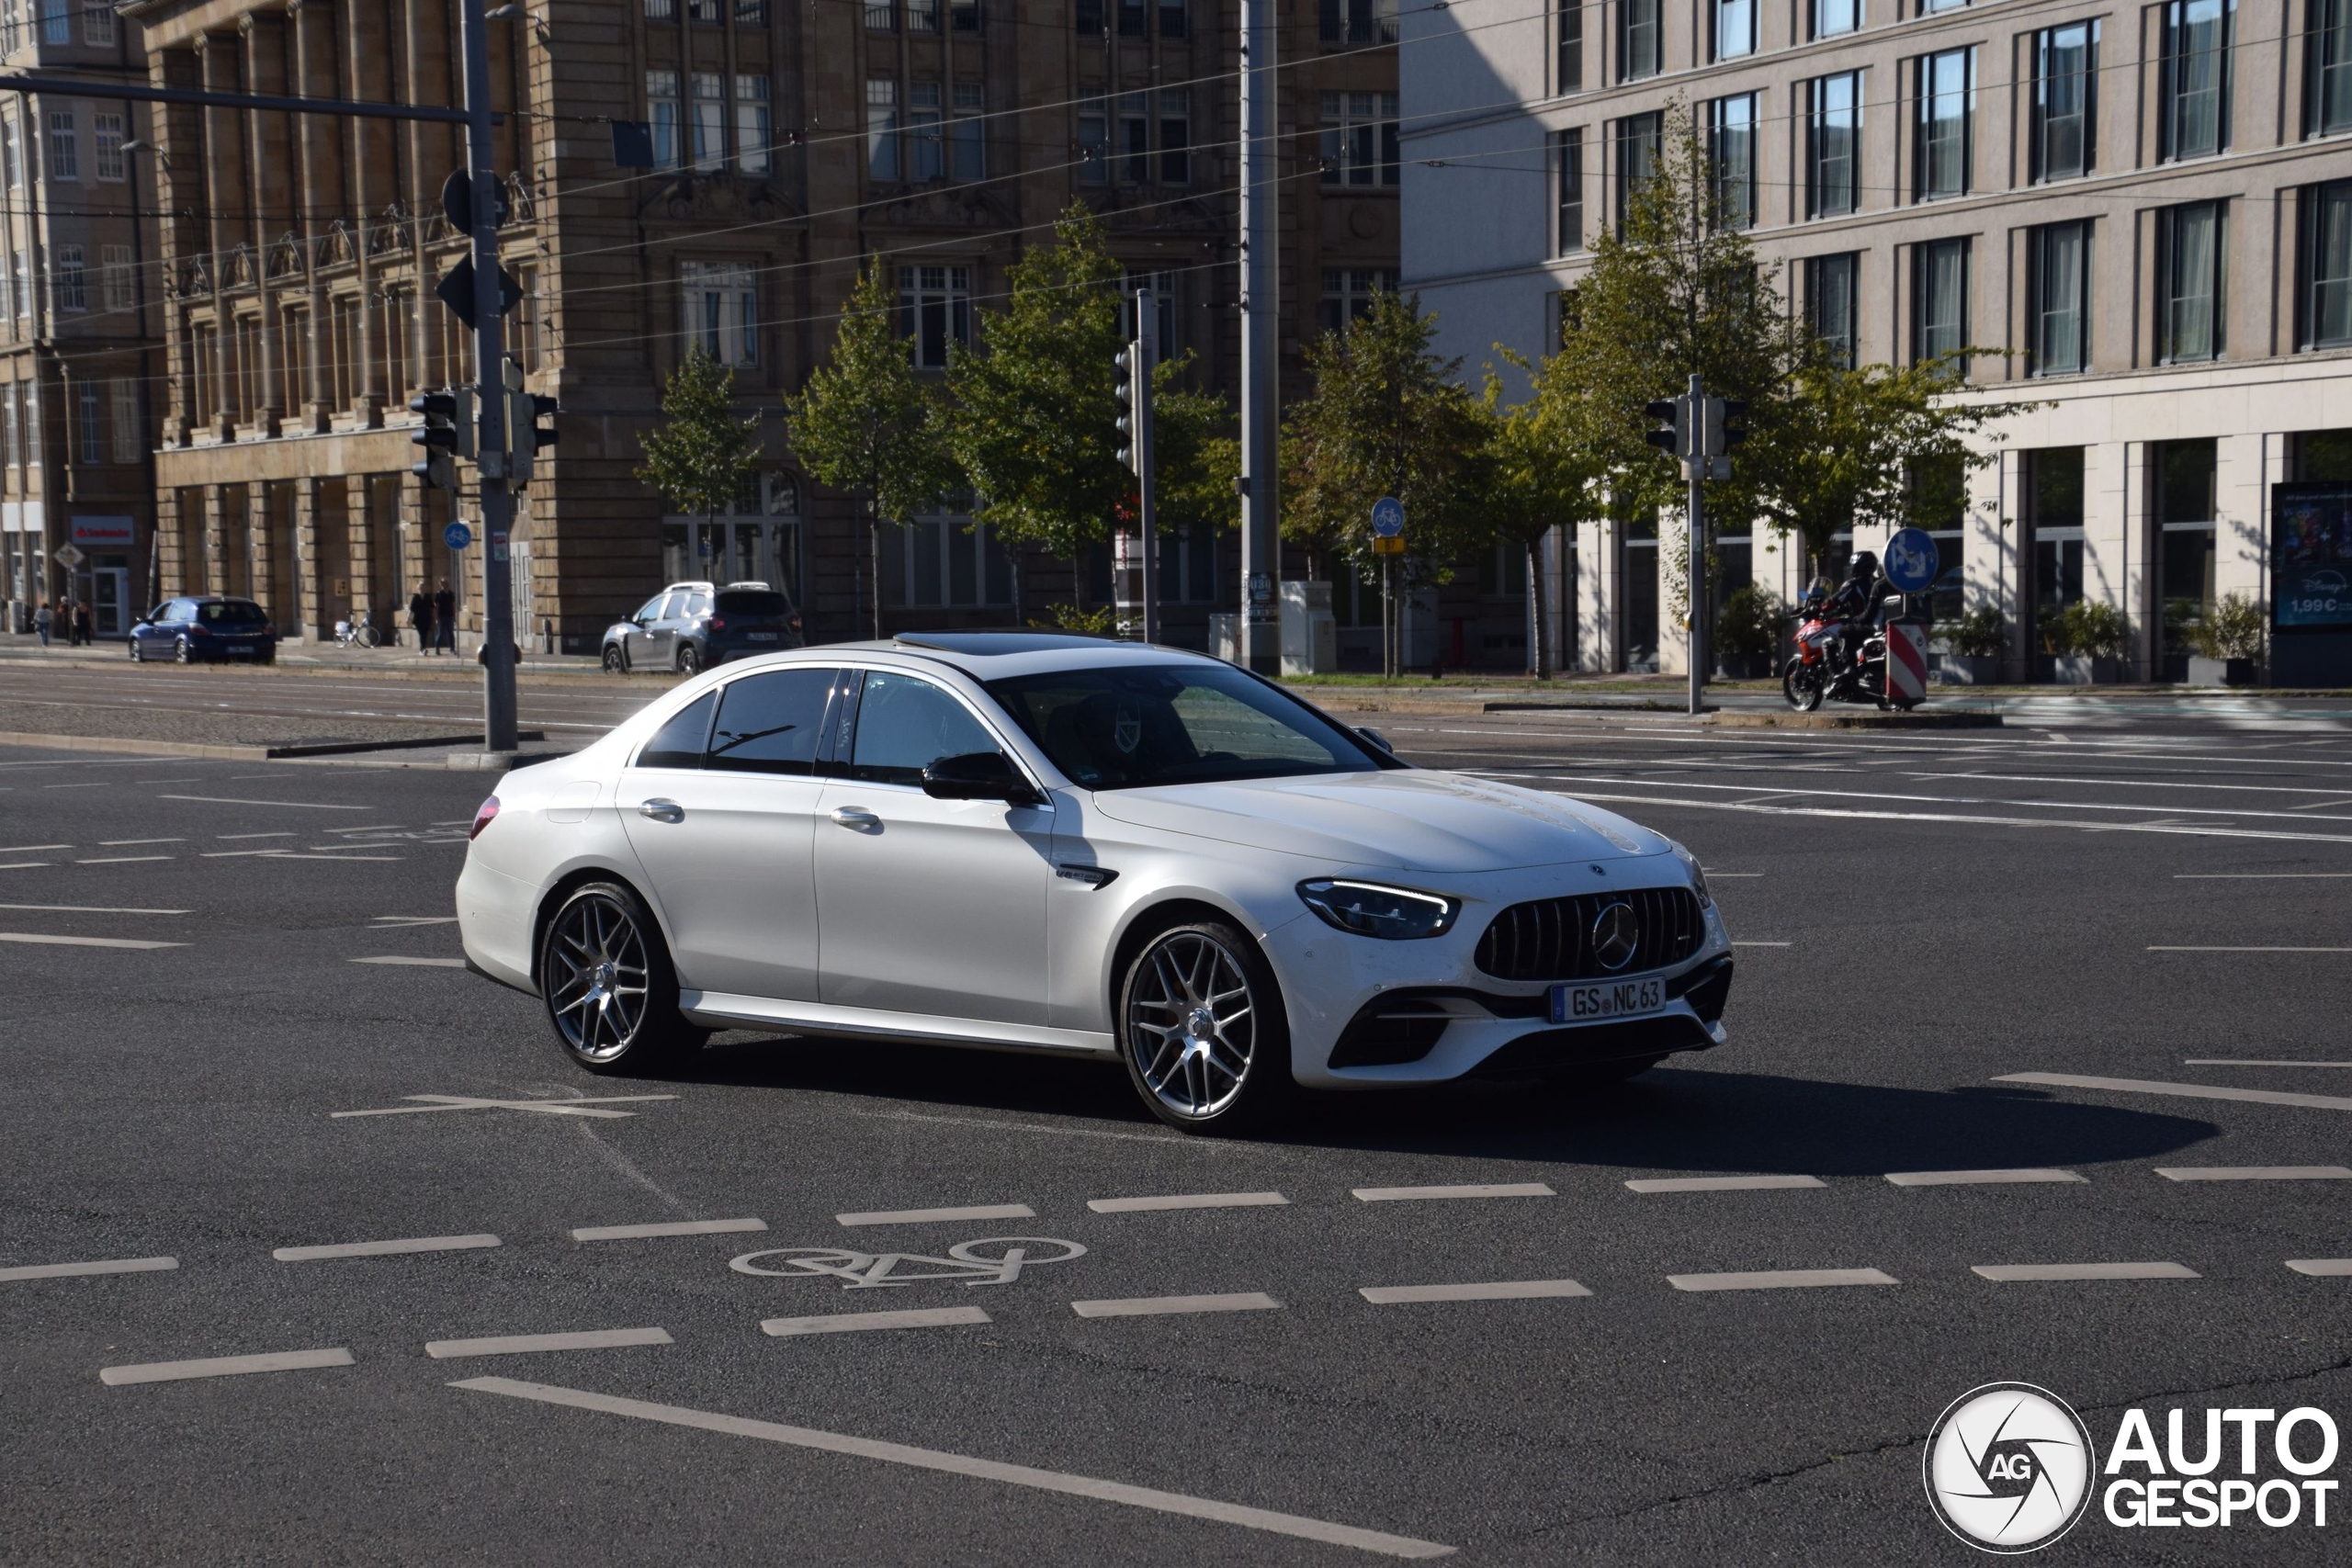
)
(241, 648)
(759, 636)
(1619, 998)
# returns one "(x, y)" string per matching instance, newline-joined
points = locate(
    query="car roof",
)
(994, 655)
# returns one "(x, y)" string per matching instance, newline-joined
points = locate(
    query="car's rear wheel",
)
(616, 662)
(689, 659)
(182, 653)
(609, 989)
(1203, 1032)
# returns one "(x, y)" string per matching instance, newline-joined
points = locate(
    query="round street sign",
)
(1910, 562)
(456, 535)
(1387, 517)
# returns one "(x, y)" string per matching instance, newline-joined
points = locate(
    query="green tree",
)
(1197, 454)
(866, 423)
(703, 456)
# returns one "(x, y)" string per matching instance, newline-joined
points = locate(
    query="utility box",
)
(1225, 636)
(1310, 636)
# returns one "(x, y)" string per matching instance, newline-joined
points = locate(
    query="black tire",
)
(689, 659)
(601, 947)
(133, 643)
(616, 662)
(1191, 1082)
(1801, 685)
(182, 653)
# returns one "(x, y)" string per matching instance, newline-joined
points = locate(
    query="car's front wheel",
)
(616, 662)
(1202, 1029)
(609, 989)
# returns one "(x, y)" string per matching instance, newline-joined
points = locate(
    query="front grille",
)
(1551, 939)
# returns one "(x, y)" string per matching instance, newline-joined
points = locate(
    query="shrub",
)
(1103, 622)
(1749, 624)
(2090, 627)
(2233, 628)
(1976, 634)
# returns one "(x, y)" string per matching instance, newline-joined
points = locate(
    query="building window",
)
(72, 293)
(129, 442)
(1348, 294)
(935, 311)
(1094, 142)
(1637, 39)
(1832, 135)
(922, 15)
(881, 15)
(106, 143)
(2189, 272)
(967, 133)
(963, 16)
(1731, 157)
(1940, 297)
(1638, 138)
(945, 561)
(1832, 287)
(1832, 18)
(1132, 16)
(2184, 473)
(98, 25)
(24, 286)
(1567, 26)
(2329, 52)
(660, 10)
(926, 136)
(116, 286)
(1359, 138)
(2058, 289)
(93, 431)
(1172, 20)
(721, 311)
(710, 121)
(1947, 100)
(1088, 17)
(754, 130)
(2065, 101)
(882, 127)
(751, 13)
(1135, 139)
(11, 171)
(1929, 7)
(56, 21)
(2326, 297)
(2054, 486)
(1567, 157)
(661, 109)
(2193, 89)
(705, 11)
(1735, 28)
(1175, 137)
(64, 149)
(1358, 21)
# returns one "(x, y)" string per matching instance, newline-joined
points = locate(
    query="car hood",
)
(1414, 820)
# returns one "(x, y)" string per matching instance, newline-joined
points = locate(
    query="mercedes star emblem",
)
(1615, 934)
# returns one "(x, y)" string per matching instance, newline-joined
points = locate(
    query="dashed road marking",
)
(31, 849)
(2180, 1091)
(858, 1321)
(521, 1344)
(119, 860)
(1978, 1177)
(2015, 1271)
(1168, 1306)
(978, 1469)
(933, 1216)
(2322, 1268)
(2250, 949)
(224, 1366)
(383, 1249)
(1763, 944)
(667, 1227)
(1465, 1190)
(296, 805)
(1493, 1291)
(102, 1266)
(2185, 1061)
(2254, 1172)
(1781, 1279)
(1721, 1183)
(233, 838)
(89, 909)
(23, 864)
(40, 939)
(126, 843)
(1186, 1201)
(413, 962)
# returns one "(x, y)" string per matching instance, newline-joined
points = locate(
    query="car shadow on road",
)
(1674, 1121)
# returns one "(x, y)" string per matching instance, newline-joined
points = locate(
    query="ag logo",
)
(2008, 1467)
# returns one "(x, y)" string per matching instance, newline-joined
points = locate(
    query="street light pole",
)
(1261, 344)
(497, 500)
(1694, 470)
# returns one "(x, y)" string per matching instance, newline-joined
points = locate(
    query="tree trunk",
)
(874, 562)
(1539, 645)
(1077, 582)
(1013, 562)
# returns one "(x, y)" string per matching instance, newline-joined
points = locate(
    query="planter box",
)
(2076, 670)
(2220, 672)
(1965, 668)
(1747, 666)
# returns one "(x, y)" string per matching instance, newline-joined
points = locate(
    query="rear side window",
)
(770, 724)
(696, 605)
(744, 601)
(679, 743)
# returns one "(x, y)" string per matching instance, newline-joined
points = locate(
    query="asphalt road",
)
(2151, 896)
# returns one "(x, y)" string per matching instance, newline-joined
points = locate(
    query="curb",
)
(294, 752)
(1959, 719)
(470, 675)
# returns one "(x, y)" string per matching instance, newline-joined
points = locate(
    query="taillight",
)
(483, 817)
(793, 623)
(717, 624)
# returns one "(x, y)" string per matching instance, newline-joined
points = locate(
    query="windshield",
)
(1173, 724)
(231, 613)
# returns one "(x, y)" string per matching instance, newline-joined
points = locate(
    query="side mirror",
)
(978, 775)
(1374, 738)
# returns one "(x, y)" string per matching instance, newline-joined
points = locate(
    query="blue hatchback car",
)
(205, 630)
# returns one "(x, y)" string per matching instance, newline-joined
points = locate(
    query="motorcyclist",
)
(1854, 606)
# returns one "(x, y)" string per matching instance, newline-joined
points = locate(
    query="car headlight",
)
(1367, 908)
(1698, 877)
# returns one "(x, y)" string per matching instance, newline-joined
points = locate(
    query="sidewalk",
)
(313, 655)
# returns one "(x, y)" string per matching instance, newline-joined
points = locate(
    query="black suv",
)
(691, 625)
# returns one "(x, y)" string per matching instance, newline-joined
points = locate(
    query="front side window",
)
(1638, 138)
(1130, 728)
(882, 127)
(1731, 148)
(905, 723)
(1637, 40)
(2194, 82)
(1567, 156)
(1833, 134)
(2326, 292)
(1940, 297)
(1735, 28)
(1830, 293)
(934, 311)
(1946, 106)
(681, 741)
(2064, 100)
(2329, 95)
(721, 312)
(2060, 282)
(2188, 282)
(771, 723)
(1359, 138)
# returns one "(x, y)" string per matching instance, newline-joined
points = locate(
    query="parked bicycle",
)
(357, 632)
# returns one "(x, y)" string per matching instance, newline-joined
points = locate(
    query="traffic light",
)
(1667, 436)
(526, 438)
(447, 434)
(1133, 400)
(1734, 421)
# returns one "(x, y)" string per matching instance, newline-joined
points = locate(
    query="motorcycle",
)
(1817, 672)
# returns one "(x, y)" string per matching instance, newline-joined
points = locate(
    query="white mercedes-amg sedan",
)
(1050, 842)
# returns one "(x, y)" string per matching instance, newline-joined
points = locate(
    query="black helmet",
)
(1865, 567)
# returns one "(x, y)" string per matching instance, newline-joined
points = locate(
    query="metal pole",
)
(1387, 632)
(490, 384)
(1260, 342)
(1694, 468)
(1147, 477)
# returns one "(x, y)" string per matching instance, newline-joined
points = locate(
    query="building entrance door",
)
(109, 601)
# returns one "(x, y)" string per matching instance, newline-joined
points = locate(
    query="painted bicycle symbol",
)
(868, 1270)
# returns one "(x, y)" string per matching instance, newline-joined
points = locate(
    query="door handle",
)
(662, 811)
(850, 816)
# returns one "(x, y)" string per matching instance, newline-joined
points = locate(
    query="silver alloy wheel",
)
(1191, 1023)
(599, 999)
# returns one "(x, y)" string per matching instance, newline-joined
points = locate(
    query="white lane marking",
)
(1977, 1178)
(1185, 1200)
(2182, 1091)
(2261, 875)
(1721, 1183)
(2121, 782)
(2322, 1268)
(1751, 791)
(1494, 1290)
(2008, 1271)
(416, 920)
(2199, 1061)
(415, 963)
(233, 854)
(105, 1265)
(978, 1469)
(1465, 1190)
(858, 1321)
(1763, 944)
(119, 860)
(2254, 1172)
(296, 805)
(90, 910)
(24, 865)
(125, 843)
(384, 1248)
(224, 1366)
(31, 849)
(1781, 1279)
(520, 1344)
(37, 937)
(1713, 876)
(2250, 949)
(931, 1216)
(550, 1107)
(1167, 1307)
(667, 1227)
(94, 783)
(2214, 830)
(231, 838)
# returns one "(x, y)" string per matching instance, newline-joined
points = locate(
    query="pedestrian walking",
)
(43, 618)
(82, 624)
(445, 619)
(420, 615)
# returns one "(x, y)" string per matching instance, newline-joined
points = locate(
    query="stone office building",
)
(792, 139)
(2148, 207)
